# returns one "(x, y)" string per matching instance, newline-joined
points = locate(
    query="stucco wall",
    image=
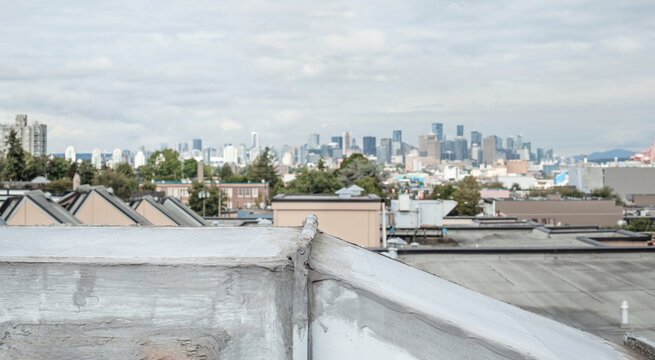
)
(82, 311)
(97, 211)
(29, 214)
(355, 222)
(153, 215)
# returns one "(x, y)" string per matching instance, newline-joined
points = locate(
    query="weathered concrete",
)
(249, 293)
(134, 293)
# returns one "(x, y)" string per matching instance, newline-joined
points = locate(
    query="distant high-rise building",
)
(499, 142)
(347, 143)
(433, 147)
(540, 155)
(476, 138)
(254, 140)
(488, 150)
(139, 159)
(116, 158)
(197, 144)
(437, 129)
(398, 136)
(163, 146)
(509, 142)
(338, 140)
(96, 158)
(33, 136)
(423, 143)
(314, 141)
(230, 154)
(461, 150)
(460, 130)
(397, 143)
(70, 154)
(385, 150)
(369, 145)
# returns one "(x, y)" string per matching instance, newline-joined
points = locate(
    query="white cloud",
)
(230, 125)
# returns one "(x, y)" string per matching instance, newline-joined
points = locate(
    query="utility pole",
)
(203, 195)
(219, 197)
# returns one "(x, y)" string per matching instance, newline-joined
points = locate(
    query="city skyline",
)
(574, 76)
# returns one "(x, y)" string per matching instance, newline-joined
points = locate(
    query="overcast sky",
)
(578, 76)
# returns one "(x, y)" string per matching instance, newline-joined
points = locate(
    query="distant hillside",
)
(622, 154)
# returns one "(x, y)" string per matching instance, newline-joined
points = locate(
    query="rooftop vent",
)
(346, 193)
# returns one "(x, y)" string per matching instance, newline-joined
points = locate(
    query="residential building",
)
(96, 158)
(239, 195)
(33, 135)
(70, 154)
(34, 208)
(355, 218)
(166, 211)
(96, 205)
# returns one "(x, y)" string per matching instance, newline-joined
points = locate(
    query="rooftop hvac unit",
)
(403, 202)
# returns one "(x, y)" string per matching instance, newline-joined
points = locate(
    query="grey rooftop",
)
(107, 292)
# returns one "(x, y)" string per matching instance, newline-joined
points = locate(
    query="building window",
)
(229, 193)
(240, 192)
(247, 192)
(254, 192)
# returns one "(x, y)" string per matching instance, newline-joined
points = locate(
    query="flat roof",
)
(201, 245)
(583, 290)
(325, 198)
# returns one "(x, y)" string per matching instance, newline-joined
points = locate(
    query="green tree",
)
(125, 169)
(190, 168)
(72, 170)
(14, 167)
(35, 166)
(59, 186)
(494, 185)
(443, 192)
(211, 203)
(313, 182)
(358, 167)
(121, 184)
(563, 191)
(607, 192)
(87, 172)
(640, 225)
(148, 186)
(370, 186)
(163, 165)
(225, 172)
(467, 195)
(57, 168)
(263, 168)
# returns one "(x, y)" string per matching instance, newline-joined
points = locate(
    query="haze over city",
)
(575, 76)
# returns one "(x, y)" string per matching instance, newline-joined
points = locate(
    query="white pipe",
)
(624, 313)
(384, 225)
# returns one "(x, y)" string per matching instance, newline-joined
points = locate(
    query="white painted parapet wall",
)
(248, 293)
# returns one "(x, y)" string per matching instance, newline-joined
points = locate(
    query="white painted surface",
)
(461, 316)
(117, 244)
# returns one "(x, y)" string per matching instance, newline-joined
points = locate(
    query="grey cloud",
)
(574, 75)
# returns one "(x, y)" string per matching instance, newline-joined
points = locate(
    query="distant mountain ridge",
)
(622, 154)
